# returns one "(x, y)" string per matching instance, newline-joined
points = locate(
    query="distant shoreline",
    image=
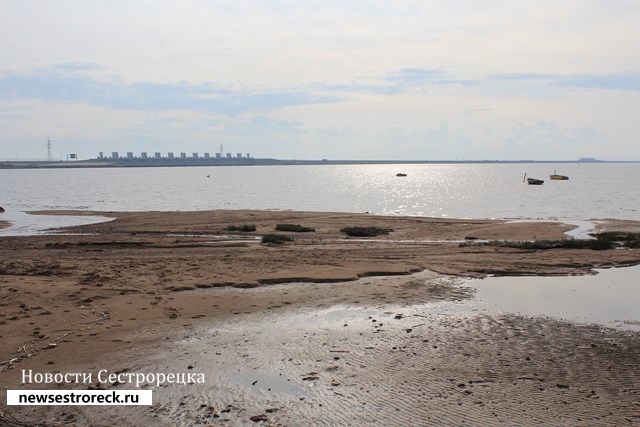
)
(177, 162)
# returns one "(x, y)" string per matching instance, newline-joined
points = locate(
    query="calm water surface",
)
(610, 298)
(456, 191)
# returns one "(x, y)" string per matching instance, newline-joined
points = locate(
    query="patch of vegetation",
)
(600, 242)
(276, 239)
(597, 245)
(243, 228)
(627, 240)
(365, 231)
(296, 228)
(632, 244)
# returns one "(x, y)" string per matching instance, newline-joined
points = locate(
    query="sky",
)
(399, 80)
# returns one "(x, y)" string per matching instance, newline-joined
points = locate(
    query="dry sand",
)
(325, 330)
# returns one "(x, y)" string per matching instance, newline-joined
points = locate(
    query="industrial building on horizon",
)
(115, 155)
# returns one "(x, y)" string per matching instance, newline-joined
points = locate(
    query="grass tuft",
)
(243, 228)
(365, 231)
(296, 228)
(276, 239)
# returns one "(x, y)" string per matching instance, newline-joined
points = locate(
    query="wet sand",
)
(325, 330)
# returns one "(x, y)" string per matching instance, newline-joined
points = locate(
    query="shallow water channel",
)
(25, 224)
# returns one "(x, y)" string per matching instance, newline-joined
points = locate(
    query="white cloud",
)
(324, 79)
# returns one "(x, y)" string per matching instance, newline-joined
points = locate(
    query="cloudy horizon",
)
(406, 80)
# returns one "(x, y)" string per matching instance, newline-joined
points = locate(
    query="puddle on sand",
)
(610, 298)
(24, 224)
(269, 384)
(339, 314)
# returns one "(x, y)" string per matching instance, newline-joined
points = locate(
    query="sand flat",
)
(165, 291)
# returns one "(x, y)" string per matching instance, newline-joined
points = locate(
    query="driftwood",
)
(26, 353)
(20, 354)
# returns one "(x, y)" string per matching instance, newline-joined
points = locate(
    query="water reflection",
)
(610, 298)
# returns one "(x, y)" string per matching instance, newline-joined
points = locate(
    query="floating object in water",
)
(532, 181)
(558, 177)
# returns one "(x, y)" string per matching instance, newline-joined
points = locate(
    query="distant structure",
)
(48, 150)
(176, 159)
(144, 155)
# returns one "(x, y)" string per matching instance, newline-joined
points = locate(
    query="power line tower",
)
(48, 149)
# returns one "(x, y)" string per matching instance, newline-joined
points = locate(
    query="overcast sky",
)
(401, 79)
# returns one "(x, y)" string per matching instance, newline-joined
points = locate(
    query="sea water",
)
(603, 190)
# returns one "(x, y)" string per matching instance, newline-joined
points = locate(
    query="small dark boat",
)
(401, 174)
(534, 181)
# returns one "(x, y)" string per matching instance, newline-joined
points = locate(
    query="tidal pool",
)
(611, 297)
